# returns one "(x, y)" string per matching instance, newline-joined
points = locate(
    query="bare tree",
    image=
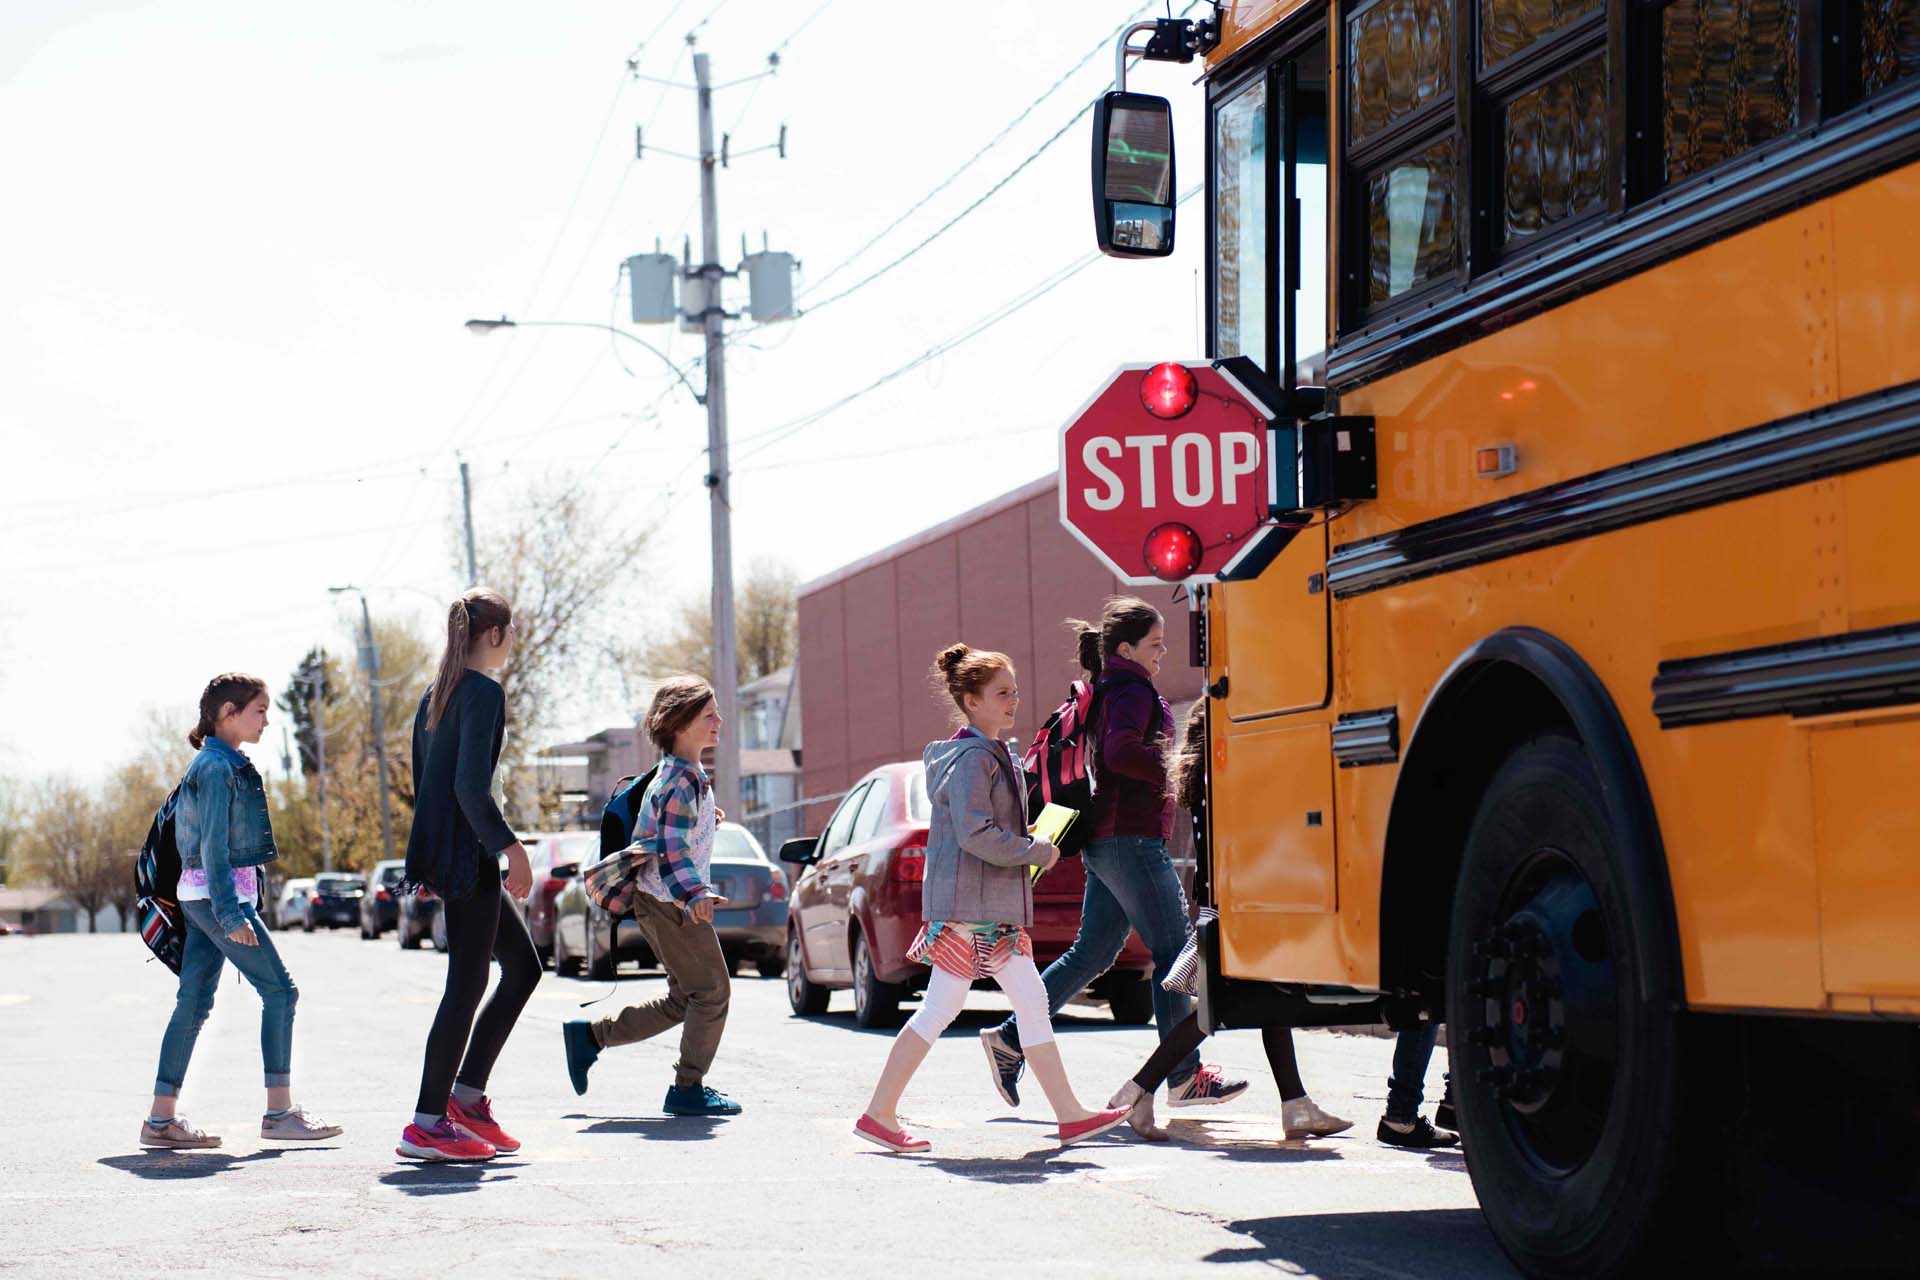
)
(12, 826)
(569, 572)
(765, 623)
(71, 848)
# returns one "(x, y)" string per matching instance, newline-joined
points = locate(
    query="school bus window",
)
(1889, 42)
(1399, 59)
(1411, 233)
(1730, 79)
(1306, 183)
(1508, 27)
(1554, 151)
(1240, 161)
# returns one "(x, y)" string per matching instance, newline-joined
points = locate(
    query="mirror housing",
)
(800, 851)
(1133, 177)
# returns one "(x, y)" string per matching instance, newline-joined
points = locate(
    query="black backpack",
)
(616, 824)
(156, 888)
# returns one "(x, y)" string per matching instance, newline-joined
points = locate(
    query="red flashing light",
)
(1173, 552)
(1169, 390)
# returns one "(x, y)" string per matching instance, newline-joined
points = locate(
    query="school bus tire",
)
(1564, 1051)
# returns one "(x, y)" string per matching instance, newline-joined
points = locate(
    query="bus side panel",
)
(1877, 282)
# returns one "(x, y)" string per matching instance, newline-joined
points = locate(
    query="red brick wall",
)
(1005, 577)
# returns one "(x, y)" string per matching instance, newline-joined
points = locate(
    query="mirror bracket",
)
(1173, 40)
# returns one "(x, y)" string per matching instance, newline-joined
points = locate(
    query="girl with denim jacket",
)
(224, 837)
(978, 900)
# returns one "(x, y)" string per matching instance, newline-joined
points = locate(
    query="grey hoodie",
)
(978, 849)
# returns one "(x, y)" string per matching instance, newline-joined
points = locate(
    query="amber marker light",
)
(1169, 390)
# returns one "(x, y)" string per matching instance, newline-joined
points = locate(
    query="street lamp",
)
(481, 328)
(370, 662)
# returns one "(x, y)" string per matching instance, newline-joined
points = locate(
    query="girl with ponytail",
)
(221, 830)
(458, 838)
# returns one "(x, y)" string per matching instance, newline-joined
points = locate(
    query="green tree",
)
(313, 689)
(71, 847)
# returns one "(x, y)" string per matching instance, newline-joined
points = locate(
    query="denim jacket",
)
(222, 824)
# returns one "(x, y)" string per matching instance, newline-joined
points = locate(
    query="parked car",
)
(555, 858)
(415, 917)
(856, 908)
(290, 907)
(334, 901)
(379, 908)
(752, 926)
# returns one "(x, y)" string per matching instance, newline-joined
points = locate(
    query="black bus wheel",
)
(1562, 1035)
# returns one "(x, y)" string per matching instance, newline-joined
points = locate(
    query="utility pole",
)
(466, 507)
(370, 659)
(725, 654)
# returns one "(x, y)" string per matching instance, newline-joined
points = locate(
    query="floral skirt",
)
(969, 951)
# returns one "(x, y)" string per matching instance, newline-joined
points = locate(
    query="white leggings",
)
(947, 995)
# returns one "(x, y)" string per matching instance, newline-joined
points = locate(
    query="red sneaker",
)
(477, 1121)
(892, 1139)
(1093, 1126)
(442, 1142)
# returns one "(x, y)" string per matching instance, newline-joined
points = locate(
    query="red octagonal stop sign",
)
(1166, 475)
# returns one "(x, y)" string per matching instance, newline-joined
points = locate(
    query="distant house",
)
(585, 772)
(770, 757)
(42, 910)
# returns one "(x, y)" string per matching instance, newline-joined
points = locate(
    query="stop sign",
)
(1167, 473)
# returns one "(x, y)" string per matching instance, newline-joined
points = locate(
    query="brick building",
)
(1002, 576)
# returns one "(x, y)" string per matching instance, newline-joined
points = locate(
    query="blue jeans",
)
(1131, 883)
(205, 955)
(1412, 1051)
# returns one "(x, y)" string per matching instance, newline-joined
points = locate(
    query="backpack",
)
(1059, 762)
(156, 888)
(610, 882)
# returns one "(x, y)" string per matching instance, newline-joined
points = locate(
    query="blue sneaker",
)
(1005, 1063)
(582, 1049)
(698, 1100)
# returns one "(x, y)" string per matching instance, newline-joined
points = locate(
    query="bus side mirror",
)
(1133, 191)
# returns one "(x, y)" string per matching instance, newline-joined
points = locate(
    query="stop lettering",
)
(1165, 473)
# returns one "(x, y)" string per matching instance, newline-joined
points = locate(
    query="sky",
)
(238, 242)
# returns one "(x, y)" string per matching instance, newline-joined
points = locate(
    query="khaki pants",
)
(699, 985)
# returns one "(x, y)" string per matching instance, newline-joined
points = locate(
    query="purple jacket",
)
(1129, 764)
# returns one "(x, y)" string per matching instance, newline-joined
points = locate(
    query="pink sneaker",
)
(442, 1142)
(1093, 1126)
(892, 1139)
(477, 1121)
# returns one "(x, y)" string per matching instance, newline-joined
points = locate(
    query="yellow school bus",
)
(1581, 710)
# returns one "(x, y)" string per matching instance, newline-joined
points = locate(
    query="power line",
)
(991, 143)
(791, 35)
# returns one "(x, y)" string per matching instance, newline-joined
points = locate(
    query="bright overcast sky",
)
(240, 239)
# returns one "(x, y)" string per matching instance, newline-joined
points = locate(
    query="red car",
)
(855, 908)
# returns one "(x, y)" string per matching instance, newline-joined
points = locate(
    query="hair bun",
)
(951, 657)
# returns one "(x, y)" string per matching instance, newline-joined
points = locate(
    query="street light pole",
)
(370, 660)
(726, 761)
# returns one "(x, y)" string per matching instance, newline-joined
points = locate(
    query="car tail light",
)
(381, 895)
(553, 885)
(910, 860)
(777, 887)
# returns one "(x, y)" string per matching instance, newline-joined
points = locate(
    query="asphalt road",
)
(605, 1183)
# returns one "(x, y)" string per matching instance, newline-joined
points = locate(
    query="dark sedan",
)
(334, 902)
(380, 908)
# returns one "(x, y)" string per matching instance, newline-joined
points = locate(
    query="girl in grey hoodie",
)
(978, 900)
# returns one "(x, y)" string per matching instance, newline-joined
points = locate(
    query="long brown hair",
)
(1123, 620)
(961, 671)
(675, 704)
(235, 689)
(475, 613)
(1187, 763)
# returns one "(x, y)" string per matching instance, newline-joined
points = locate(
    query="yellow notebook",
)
(1052, 825)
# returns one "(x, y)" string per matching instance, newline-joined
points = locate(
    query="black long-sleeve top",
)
(454, 816)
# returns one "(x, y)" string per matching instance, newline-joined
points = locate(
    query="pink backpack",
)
(1059, 762)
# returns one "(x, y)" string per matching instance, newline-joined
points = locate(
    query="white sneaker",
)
(175, 1135)
(1303, 1118)
(297, 1126)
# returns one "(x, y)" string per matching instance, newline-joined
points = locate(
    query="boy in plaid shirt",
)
(674, 909)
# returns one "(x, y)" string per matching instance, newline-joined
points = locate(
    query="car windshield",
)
(335, 884)
(736, 844)
(919, 808)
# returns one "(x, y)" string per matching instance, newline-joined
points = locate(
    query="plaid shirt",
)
(680, 809)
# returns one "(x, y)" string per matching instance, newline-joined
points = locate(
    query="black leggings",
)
(478, 928)
(1185, 1038)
